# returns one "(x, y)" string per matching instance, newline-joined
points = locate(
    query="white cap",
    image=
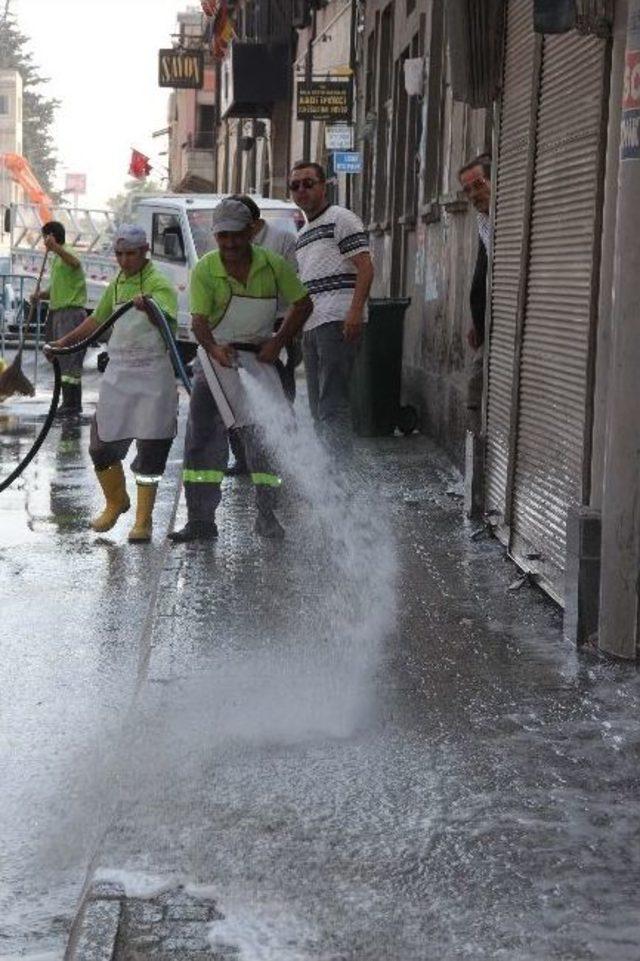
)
(129, 237)
(230, 215)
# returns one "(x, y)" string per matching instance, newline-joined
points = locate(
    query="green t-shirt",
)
(149, 282)
(212, 287)
(67, 286)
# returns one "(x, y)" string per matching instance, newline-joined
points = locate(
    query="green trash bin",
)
(377, 373)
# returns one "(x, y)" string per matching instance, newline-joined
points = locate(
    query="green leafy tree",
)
(38, 111)
(122, 203)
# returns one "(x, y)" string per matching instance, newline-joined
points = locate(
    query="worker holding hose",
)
(234, 301)
(138, 396)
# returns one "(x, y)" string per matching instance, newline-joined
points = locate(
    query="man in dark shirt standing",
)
(475, 179)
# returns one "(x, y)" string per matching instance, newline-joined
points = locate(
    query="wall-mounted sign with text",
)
(328, 100)
(347, 162)
(339, 137)
(181, 69)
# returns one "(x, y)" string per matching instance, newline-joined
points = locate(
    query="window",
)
(384, 116)
(414, 135)
(204, 131)
(435, 105)
(4, 105)
(167, 242)
(370, 116)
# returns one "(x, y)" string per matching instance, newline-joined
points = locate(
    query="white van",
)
(178, 227)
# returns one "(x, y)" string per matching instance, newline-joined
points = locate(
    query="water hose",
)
(167, 335)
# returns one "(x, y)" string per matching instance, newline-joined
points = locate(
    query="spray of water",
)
(347, 517)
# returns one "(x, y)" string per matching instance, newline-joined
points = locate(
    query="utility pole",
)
(619, 591)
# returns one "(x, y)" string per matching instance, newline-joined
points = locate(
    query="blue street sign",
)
(347, 162)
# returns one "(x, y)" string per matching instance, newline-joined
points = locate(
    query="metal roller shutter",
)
(563, 266)
(514, 151)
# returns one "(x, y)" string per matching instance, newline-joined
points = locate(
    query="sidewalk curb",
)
(95, 930)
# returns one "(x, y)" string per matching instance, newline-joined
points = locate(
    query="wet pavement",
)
(309, 750)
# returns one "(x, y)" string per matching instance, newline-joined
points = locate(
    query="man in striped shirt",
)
(335, 266)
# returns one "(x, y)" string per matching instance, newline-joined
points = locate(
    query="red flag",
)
(223, 31)
(208, 7)
(139, 166)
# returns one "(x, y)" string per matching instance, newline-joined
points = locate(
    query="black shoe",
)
(237, 470)
(268, 525)
(194, 531)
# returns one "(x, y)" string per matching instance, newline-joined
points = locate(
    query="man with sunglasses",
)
(475, 179)
(335, 267)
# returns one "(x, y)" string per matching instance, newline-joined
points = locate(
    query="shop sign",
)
(328, 100)
(182, 69)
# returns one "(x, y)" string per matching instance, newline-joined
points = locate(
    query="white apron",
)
(138, 395)
(246, 320)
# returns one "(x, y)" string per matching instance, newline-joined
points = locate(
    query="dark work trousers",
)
(61, 322)
(149, 462)
(206, 453)
(328, 362)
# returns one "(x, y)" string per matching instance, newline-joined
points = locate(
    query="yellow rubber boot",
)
(140, 533)
(113, 485)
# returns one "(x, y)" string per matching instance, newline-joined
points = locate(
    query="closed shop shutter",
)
(552, 427)
(514, 150)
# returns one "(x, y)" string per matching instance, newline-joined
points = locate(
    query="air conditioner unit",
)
(254, 77)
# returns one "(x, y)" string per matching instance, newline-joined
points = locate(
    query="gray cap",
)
(129, 237)
(231, 215)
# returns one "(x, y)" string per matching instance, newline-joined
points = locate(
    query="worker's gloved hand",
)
(270, 351)
(141, 303)
(224, 354)
(47, 350)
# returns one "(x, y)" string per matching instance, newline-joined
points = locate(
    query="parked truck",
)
(178, 227)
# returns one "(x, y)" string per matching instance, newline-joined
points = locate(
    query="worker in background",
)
(233, 300)
(138, 397)
(282, 242)
(67, 295)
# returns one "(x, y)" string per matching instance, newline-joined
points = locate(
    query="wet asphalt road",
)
(452, 782)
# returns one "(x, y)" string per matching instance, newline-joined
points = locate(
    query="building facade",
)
(414, 137)
(10, 133)
(191, 118)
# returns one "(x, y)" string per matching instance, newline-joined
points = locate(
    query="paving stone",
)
(188, 912)
(98, 932)
(106, 890)
(214, 914)
(143, 913)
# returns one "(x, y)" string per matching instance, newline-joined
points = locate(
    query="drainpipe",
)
(352, 66)
(308, 77)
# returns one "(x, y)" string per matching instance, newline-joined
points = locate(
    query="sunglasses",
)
(307, 183)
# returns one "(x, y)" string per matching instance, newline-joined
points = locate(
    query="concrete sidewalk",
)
(227, 751)
(466, 789)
